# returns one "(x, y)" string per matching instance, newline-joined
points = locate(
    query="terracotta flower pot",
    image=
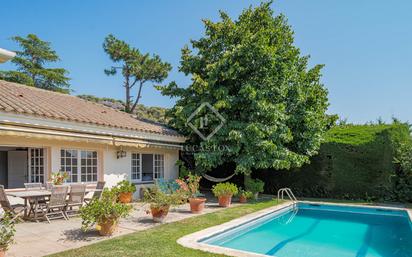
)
(225, 200)
(126, 197)
(2, 252)
(197, 204)
(242, 199)
(160, 213)
(108, 227)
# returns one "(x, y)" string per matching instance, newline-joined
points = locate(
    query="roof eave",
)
(40, 122)
(6, 55)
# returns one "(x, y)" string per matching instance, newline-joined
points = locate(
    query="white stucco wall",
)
(110, 168)
(116, 170)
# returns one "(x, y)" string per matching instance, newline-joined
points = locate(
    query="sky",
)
(365, 45)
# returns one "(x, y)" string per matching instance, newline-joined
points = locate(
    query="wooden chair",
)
(96, 194)
(15, 210)
(76, 199)
(34, 186)
(55, 208)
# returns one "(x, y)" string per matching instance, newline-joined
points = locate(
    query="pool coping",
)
(192, 240)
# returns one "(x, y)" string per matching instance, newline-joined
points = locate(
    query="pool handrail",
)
(289, 193)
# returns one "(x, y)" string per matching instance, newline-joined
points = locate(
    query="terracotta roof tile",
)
(23, 99)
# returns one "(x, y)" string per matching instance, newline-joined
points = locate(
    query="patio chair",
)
(49, 185)
(15, 210)
(162, 184)
(55, 208)
(76, 198)
(34, 186)
(167, 186)
(96, 194)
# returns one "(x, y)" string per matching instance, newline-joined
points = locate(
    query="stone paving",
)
(39, 239)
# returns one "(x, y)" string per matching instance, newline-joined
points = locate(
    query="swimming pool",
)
(316, 230)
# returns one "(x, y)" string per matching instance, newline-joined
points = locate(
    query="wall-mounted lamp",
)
(121, 154)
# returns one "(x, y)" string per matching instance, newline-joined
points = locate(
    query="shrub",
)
(7, 232)
(190, 185)
(401, 186)
(183, 170)
(224, 189)
(158, 199)
(103, 209)
(354, 162)
(254, 185)
(125, 186)
(244, 193)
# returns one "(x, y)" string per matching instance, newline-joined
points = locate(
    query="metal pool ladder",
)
(290, 194)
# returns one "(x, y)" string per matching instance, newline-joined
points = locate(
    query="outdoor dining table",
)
(33, 196)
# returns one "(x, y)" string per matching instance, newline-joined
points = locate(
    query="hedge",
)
(354, 162)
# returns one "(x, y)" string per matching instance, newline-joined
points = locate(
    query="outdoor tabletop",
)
(38, 193)
(29, 193)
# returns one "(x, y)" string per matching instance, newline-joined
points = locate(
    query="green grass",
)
(161, 240)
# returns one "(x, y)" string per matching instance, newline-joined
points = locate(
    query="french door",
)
(37, 165)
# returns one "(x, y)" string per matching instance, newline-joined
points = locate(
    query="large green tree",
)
(31, 64)
(250, 71)
(136, 68)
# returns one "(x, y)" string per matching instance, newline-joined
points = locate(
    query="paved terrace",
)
(39, 239)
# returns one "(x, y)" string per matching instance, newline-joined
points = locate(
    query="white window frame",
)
(32, 174)
(161, 167)
(79, 164)
(141, 167)
(71, 166)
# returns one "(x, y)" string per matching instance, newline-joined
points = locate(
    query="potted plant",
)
(160, 202)
(224, 193)
(125, 191)
(190, 187)
(104, 212)
(244, 195)
(255, 186)
(59, 177)
(6, 234)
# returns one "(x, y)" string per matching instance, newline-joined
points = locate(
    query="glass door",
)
(37, 165)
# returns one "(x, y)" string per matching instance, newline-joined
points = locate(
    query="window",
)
(37, 165)
(147, 167)
(70, 160)
(136, 166)
(158, 166)
(68, 163)
(88, 166)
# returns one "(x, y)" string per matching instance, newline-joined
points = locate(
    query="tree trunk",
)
(138, 97)
(127, 106)
(127, 87)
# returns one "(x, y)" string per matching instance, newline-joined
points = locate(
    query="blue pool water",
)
(323, 231)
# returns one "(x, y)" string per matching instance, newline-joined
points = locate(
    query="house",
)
(43, 132)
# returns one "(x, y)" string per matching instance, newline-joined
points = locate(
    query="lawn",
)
(161, 240)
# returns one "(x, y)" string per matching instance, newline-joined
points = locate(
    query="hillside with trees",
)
(144, 112)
